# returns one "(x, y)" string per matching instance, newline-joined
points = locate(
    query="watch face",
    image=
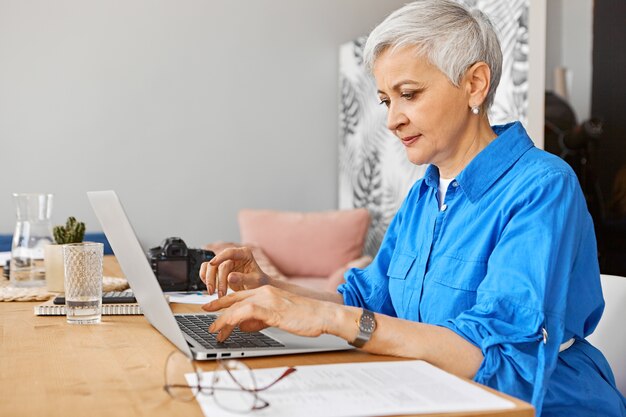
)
(367, 324)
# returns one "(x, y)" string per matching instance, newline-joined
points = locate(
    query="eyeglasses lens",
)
(234, 386)
(177, 370)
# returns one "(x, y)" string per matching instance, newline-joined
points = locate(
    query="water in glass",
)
(33, 231)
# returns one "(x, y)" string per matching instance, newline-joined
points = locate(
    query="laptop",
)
(188, 332)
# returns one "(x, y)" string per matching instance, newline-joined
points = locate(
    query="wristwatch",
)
(367, 325)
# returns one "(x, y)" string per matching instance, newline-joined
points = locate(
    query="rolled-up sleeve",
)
(369, 287)
(519, 319)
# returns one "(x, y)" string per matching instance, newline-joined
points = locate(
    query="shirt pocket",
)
(450, 288)
(399, 286)
(400, 265)
(459, 274)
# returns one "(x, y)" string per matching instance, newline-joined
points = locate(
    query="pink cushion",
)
(306, 244)
(314, 283)
(337, 277)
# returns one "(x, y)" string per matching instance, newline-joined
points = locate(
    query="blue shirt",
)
(509, 263)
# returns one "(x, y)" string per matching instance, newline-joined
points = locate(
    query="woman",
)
(489, 268)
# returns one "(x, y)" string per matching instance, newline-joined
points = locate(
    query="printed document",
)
(363, 389)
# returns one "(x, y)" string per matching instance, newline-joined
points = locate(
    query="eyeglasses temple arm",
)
(285, 374)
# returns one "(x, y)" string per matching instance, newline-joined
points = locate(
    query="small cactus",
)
(72, 232)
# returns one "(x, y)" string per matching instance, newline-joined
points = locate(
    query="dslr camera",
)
(176, 266)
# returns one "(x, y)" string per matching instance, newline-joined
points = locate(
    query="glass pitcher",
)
(33, 231)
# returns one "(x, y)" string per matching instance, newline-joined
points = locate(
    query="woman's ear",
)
(478, 79)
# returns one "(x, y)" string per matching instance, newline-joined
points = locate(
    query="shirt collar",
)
(486, 167)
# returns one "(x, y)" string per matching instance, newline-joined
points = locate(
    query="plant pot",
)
(55, 269)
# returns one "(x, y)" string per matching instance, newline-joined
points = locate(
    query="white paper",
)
(4, 256)
(192, 297)
(363, 389)
(195, 297)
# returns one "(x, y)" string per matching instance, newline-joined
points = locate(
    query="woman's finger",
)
(239, 313)
(211, 279)
(224, 332)
(226, 301)
(252, 325)
(203, 272)
(239, 281)
(236, 281)
(235, 254)
(224, 270)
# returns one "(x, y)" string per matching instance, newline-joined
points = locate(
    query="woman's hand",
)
(269, 306)
(234, 267)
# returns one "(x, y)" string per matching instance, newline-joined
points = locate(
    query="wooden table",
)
(51, 368)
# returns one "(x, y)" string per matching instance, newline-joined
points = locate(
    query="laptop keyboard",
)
(197, 327)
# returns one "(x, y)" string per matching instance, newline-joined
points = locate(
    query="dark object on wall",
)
(583, 134)
(608, 99)
(577, 144)
(613, 243)
(560, 119)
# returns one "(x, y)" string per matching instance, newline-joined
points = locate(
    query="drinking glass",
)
(83, 282)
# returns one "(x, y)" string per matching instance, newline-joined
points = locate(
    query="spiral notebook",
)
(119, 309)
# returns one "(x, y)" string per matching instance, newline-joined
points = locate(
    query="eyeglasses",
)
(232, 385)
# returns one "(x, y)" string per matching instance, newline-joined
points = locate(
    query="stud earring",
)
(475, 109)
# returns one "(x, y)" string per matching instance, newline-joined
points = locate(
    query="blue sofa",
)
(6, 240)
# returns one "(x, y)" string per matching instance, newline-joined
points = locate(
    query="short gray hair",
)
(446, 33)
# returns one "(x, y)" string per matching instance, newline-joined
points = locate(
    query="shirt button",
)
(455, 184)
(444, 207)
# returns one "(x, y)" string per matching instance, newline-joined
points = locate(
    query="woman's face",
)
(425, 110)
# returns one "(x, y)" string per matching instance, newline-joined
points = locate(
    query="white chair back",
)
(610, 335)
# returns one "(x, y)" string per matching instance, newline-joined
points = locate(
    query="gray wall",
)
(569, 44)
(191, 110)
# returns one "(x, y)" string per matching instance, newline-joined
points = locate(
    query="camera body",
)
(176, 266)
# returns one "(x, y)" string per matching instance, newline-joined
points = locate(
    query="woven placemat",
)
(9, 293)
